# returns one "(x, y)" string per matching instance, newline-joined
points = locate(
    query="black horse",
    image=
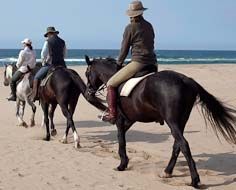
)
(168, 96)
(63, 88)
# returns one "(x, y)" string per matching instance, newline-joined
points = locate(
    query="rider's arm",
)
(20, 59)
(45, 52)
(125, 46)
(64, 52)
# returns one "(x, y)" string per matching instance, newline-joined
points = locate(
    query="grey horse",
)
(23, 91)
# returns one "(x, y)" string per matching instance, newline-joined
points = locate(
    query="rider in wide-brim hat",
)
(51, 29)
(135, 9)
(52, 55)
(139, 36)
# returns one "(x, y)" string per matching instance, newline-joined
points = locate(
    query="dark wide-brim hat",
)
(50, 29)
(135, 9)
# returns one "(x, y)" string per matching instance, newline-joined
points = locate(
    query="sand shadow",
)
(224, 163)
(111, 135)
(134, 136)
(85, 124)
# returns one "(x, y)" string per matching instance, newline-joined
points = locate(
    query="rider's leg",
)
(39, 76)
(17, 75)
(122, 75)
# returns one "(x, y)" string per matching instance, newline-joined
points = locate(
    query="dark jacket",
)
(56, 50)
(140, 37)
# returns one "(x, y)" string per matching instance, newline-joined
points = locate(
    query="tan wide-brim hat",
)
(26, 41)
(135, 9)
(50, 29)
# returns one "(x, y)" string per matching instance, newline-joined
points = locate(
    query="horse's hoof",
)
(23, 124)
(196, 185)
(77, 145)
(32, 123)
(47, 138)
(165, 175)
(54, 132)
(64, 141)
(121, 168)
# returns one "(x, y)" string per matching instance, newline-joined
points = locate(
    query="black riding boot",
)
(111, 101)
(13, 92)
(34, 95)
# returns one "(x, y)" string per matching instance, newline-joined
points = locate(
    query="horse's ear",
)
(87, 60)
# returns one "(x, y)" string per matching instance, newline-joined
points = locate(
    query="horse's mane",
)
(107, 60)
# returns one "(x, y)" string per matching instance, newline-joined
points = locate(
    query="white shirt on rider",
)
(27, 57)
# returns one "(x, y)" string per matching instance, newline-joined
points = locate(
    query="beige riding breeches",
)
(125, 73)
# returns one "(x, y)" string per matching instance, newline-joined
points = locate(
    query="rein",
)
(98, 92)
(101, 88)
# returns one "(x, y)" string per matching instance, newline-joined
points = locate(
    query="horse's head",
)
(98, 72)
(8, 73)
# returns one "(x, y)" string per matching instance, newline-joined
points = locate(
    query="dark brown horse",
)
(166, 95)
(63, 88)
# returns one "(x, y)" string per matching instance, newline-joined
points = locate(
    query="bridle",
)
(96, 92)
(91, 91)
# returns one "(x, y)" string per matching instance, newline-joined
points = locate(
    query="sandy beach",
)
(28, 162)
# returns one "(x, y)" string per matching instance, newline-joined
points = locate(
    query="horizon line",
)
(119, 49)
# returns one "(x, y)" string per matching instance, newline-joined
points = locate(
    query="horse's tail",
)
(78, 81)
(221, 117)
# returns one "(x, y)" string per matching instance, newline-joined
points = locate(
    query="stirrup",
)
(102, 118)
(102, 115)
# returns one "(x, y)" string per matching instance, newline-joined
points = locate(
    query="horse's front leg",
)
(122, 127)
(46, 120)
(51, 116)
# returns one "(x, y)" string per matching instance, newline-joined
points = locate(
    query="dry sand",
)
(28, 162)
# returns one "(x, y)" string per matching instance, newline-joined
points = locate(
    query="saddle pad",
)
(131, 83)
(45, 80)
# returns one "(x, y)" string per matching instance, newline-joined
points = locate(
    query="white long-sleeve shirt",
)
(45, 53)
(27, 57)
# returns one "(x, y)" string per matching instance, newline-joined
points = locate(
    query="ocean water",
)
(76, 56)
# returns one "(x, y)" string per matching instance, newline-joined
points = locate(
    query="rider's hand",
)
(119, 67)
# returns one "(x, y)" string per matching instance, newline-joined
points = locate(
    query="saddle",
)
(31, 73)
(28, 75)
(49, 74)
(126, 87)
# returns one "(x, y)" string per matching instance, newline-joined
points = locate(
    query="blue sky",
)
(92, 24)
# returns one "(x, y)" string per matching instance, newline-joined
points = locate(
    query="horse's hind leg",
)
(169, 169)
(32, 121)
(51, 115)
(70, 124)
(72, 106)
(175, 153)
(46, 120)
(184, 148)
(20, 109)
(122, 127)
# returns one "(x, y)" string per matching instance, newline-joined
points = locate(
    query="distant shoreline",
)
(169, 57)
(210, 50)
